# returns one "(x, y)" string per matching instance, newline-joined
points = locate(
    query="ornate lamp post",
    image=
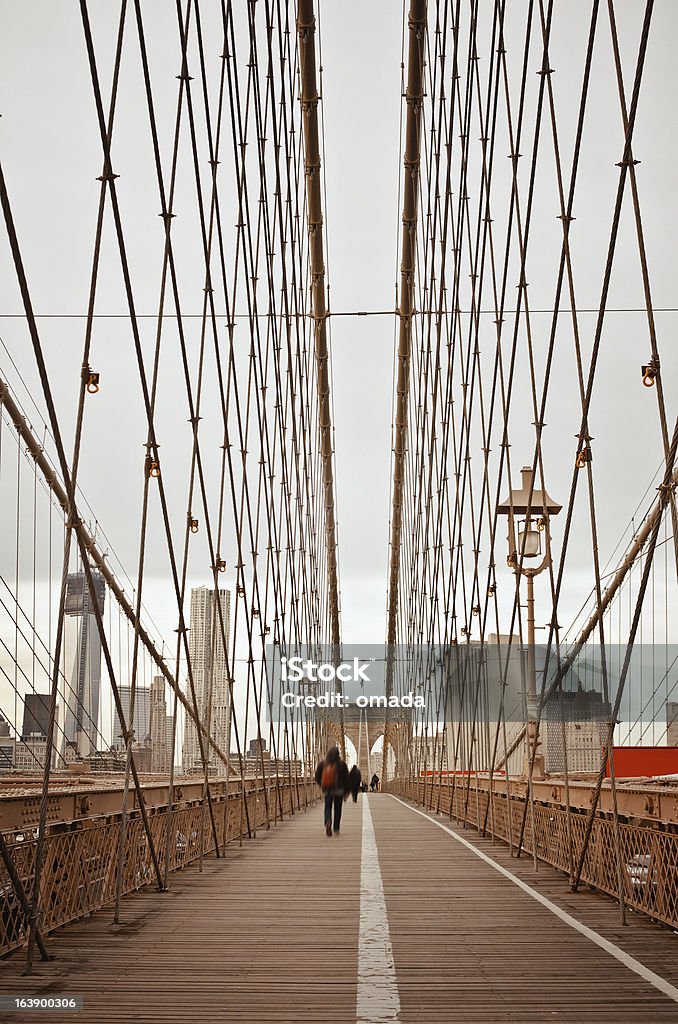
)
(533, 525)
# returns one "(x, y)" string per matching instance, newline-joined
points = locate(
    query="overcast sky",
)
(51, 156)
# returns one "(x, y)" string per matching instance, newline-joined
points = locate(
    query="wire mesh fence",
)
(81, 859)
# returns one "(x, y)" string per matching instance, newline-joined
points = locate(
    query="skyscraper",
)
(574, 724)
(142, 714)
(210, 676)
(36, 715)
(82, 663)
(161, 727)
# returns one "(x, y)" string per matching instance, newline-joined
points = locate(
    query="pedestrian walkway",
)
(396, 919)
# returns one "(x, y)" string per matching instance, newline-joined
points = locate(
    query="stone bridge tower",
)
(363, 727)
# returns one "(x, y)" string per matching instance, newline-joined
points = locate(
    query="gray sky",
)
(51, 156)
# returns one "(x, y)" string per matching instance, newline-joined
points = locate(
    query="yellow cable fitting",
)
(583, 457)
(649, 372)
(92, 379)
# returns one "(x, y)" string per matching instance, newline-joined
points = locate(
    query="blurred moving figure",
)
(332, 777)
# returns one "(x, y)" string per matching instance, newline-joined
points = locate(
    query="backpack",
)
(329, 776)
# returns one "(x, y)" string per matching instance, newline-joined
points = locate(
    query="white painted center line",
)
(378, 1001)
(619, 954)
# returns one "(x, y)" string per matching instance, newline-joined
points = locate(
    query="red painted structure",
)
(634, 762)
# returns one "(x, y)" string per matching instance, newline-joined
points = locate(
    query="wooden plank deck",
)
(270, 933)
(470, 946)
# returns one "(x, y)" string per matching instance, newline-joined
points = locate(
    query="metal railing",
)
(80, 859)
(647, 854)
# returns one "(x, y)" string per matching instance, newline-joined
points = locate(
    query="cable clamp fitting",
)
(584, 456)
(152, 467)
(91, 379)
(649, 372)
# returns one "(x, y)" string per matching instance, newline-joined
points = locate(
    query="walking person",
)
(332, 777)
(374, 783)
(354, 780)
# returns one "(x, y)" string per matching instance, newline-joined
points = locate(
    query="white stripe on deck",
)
(619, 954)
(378, 1001)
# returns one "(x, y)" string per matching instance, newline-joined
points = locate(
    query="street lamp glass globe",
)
(532, 541)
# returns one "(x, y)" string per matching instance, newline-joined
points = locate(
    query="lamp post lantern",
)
(533, 525)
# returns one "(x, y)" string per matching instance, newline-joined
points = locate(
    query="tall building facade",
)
(161, 728)
(36, 715)
(31, 747)
(82, 663)
(142, 715)
(575, 722)
(210, 676)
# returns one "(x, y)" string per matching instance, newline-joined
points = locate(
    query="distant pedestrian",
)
(363, 786)
(332, 777)
(354, 780)
(374, 783)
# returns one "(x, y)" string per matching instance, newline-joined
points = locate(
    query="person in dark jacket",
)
(332, 776)
(354, 780)
(374, 783)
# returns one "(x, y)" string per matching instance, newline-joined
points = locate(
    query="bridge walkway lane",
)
(396, 920)
(471, 945)
(244, 941)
